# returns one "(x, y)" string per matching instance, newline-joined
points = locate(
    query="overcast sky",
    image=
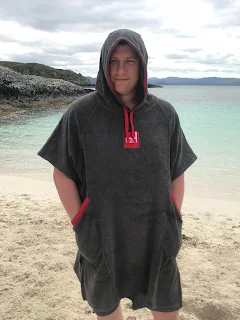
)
(187, 38)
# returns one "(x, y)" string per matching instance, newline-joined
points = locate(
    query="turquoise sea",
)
(210, 118)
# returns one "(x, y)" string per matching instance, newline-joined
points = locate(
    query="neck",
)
(129, 101)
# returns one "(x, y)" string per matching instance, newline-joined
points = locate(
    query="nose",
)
(121, 67)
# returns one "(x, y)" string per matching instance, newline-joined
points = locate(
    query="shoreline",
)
(15, 108)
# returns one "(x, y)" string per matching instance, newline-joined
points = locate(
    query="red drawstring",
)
(132, 125)
(127, 122)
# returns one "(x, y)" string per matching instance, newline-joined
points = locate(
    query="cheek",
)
(135, 74)
(110, 71)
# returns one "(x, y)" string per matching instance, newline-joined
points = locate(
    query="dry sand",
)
(38, 251)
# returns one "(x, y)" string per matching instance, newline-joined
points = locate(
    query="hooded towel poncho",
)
(128, 230)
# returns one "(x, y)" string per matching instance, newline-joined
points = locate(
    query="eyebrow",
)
(131, 57)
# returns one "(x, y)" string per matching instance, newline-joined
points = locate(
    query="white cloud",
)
(196, 38)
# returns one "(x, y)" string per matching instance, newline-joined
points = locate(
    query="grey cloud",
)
(71, 49)
(220, 4)
(176, 70)
(170, 31)
(231, 20)
(226, 22)
(91, 15)
(11, 39)
(227, 11)
(183, 36)
(93, 47)
(177, 56)
(223, 70)
(6, 39)
(192, 50)
(54, 55)
(217, 59)
(175, 33)
(44, 46)
(211, 70)
(212, 26)
(51, 59)
(214, 59)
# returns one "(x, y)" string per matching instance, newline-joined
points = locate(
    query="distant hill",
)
(93, 82)
(46, 72)
(214, 81)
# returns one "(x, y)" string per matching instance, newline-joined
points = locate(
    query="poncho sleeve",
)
(181, 154)
(62, 149)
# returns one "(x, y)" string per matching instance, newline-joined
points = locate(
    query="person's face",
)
(124, 70)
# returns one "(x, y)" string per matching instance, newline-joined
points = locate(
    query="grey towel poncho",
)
(128, 230)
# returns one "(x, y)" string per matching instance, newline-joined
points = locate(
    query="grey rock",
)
(18, 89)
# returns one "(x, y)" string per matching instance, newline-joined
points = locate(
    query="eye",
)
(111, 61)
(131, 61)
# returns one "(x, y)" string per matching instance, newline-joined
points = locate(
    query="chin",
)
(122, 92)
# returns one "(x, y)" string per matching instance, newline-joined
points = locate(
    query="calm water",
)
(210, 118)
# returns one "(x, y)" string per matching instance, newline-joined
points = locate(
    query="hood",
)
(103, 84)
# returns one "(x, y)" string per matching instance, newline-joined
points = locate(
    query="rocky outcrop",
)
(42, 70)
(154, 86)
(15, 87)
(19, 92)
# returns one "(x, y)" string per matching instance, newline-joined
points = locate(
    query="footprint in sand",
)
(26, 196)
(234, 227)
(194, 242)
(88, 311)
(211, 312)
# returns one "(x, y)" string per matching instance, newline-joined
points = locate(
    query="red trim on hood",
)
(108, 68)
(145, 76)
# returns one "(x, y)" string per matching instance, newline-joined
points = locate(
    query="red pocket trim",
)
(78, 216)
(174, 200)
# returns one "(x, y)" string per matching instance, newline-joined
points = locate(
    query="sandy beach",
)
(38, 251)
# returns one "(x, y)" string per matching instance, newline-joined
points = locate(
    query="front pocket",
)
(88, 236)
(80, 212)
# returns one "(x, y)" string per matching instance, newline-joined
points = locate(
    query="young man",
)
(119, 157)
